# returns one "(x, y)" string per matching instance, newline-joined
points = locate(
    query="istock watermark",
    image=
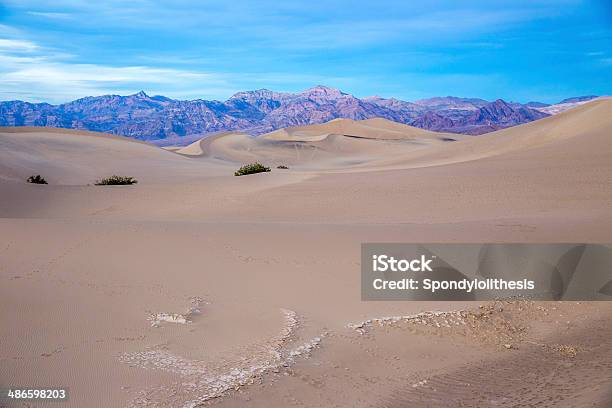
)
(398, 271)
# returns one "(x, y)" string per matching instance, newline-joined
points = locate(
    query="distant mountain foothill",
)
(159, 118)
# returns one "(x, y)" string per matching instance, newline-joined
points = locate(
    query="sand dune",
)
(74, 157)
(272, 260)
(338, 144)
(379, 144)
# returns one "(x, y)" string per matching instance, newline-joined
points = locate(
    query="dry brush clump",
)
(37, 179)
(116, 181)
(251, 169)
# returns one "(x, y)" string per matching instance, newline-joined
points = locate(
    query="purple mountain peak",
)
(323, 91)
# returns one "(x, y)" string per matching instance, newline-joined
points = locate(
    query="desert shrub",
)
(282, 166)
(116, 181)
(251, 169)
(37, 179)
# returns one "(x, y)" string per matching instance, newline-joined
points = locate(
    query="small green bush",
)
(38, 179)
(282, 166)
(116, 181)
(251, 169)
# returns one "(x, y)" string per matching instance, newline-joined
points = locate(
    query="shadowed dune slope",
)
(583, 130)
(75, 157)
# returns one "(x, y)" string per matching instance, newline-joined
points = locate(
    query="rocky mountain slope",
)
(160, 118)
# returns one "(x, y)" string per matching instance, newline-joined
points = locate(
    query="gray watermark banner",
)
(398, 271)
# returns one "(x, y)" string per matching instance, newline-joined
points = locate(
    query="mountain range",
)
(165, 120)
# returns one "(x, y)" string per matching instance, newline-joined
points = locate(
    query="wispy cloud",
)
(63, 73)
(49, 14)
(12, 45)
(27, 69)
(428, 27)
(192, 48)
(59, 82)
(31, 72)
(284, 25)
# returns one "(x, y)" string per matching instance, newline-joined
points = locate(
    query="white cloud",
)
(59, 82)
(48, 14)
(32, 72)
(62, 73)
(12, 45)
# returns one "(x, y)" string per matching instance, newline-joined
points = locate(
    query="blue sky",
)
(516, 50)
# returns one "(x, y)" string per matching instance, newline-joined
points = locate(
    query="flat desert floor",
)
(195, 287)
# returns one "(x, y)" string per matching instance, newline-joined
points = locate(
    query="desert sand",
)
(194, 286)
